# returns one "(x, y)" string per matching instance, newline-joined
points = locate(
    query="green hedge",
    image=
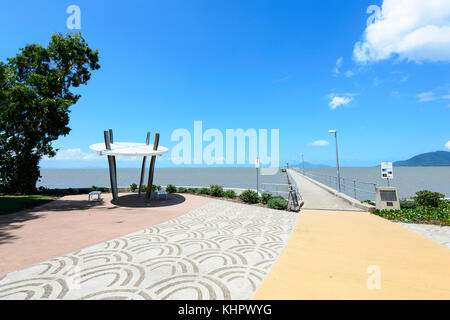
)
(216, 190)
(265, 197)
(278, 203)
(170, 188)
(420, 214)
(249, 196)
(231, 194)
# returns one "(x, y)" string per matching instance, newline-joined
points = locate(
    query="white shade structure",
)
(130, 149)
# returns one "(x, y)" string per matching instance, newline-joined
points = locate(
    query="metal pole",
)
(257, 182)
(152, 169)
(337, 163)
(141, 182)
(111, 139)
(112, 169)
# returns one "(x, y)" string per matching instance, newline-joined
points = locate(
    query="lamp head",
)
(332, 131)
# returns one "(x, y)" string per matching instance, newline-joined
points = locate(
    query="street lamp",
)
(303, 163)
(337, 159)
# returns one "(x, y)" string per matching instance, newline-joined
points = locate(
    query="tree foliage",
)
(35, 96)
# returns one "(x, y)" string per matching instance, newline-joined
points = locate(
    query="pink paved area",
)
(72, 223)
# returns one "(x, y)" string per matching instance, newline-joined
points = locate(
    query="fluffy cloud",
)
(415, 30)
(447, 145)
(320, 143)
(340, 100)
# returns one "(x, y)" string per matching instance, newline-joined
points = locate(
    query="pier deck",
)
(316, 197)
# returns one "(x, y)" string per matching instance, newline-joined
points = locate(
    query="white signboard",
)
(387, 171)
(257, 163)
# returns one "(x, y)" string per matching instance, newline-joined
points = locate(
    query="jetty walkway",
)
(316, 197)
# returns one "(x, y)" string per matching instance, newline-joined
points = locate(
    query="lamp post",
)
(337, 159)
(303, 164)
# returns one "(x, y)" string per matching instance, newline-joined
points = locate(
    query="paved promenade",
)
(316, 197)
(357, 255)
(222, 250)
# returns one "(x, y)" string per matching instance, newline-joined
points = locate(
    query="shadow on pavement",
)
(136, 201)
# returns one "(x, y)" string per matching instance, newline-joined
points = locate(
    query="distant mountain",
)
(430, 159)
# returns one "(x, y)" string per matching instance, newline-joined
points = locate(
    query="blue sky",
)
(287, 65)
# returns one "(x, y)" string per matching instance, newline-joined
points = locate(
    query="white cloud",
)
(338, 66)
(320, 143)
(447, 145)
(426, 96)
(73, 154)
(340, 100)
(415, 30)
(77, 155)
(440, 93)
(349, 74)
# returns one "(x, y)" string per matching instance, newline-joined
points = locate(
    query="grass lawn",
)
(11, 203)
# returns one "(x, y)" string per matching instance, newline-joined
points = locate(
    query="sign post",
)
(257, 174)
(387, 171)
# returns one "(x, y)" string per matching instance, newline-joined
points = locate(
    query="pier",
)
(320, 197)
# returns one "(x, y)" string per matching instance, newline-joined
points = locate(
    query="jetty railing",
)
(355, 188)
(276, 188)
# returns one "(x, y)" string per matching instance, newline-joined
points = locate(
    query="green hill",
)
(430, 159)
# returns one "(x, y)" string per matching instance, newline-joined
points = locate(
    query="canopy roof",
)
(128, 149)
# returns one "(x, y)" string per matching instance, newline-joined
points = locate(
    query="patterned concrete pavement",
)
(222, 250)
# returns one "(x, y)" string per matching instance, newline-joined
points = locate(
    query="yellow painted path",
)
(336, 254)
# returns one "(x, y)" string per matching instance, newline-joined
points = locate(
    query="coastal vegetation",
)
(426, 207)
(217, 191)
(171, 188)
(249, 196)
(230, 194)
(278, 203)
(35, 97)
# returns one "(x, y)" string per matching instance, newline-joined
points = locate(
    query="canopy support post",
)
(112, 167)
(143, 166)
(152, 169)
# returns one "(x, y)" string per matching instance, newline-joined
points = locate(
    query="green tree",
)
(35, 96)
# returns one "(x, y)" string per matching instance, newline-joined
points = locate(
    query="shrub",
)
(408, 204)
(198, 191)
(440, 214)
(171, 188)
(230, 194)
(203, 191)
(192, 190)
(94, 188)
(369, 202)
(216, 190)
(133, 187)
(278, 203)
(426, 198)
(249, 196)
(144, 188)
(182, 190)
(265, 197)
